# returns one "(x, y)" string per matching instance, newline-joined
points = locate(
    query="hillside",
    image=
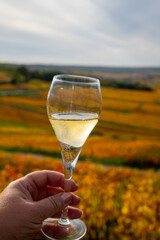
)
(129, 121)
(121, 157)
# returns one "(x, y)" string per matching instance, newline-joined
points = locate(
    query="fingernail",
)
(66, 197)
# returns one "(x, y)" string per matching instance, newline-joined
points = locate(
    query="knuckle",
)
(56, 204)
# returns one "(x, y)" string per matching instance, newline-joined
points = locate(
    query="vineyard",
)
(118, 172)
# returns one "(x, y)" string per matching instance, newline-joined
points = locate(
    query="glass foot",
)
(53, 230)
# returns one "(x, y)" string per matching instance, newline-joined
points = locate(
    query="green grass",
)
(32, 151)
(122, 162)
(23, 126)
(106, 126)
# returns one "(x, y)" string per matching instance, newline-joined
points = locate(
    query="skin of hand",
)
(26, 202)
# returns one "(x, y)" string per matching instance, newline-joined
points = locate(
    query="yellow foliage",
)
(117, 202)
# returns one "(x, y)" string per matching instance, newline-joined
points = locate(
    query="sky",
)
(85, 32)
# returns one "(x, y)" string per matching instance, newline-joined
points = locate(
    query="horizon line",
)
(79, 65)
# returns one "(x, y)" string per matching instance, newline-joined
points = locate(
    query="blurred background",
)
(119, 43)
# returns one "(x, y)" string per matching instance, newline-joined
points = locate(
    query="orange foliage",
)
(128, 150)
(22, 116)
(25, 126)
(118, 203)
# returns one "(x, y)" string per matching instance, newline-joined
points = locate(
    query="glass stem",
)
(67, 186)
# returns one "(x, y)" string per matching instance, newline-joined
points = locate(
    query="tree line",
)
(125, 85)
(22, 74)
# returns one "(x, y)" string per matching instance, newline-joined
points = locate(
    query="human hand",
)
(26, 202)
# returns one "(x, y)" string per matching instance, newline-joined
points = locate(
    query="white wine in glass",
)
(74, 106)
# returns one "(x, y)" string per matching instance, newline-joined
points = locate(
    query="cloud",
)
(99, 32)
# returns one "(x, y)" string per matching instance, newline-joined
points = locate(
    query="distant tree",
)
(22, 70)
(45, 76)
(125, 85)
(20, 75)
(17, 78)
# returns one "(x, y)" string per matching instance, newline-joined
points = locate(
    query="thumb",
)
(52, 205)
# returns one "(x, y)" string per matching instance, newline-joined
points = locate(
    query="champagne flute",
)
(74, 106)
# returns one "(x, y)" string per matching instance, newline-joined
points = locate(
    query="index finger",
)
(41, 179)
